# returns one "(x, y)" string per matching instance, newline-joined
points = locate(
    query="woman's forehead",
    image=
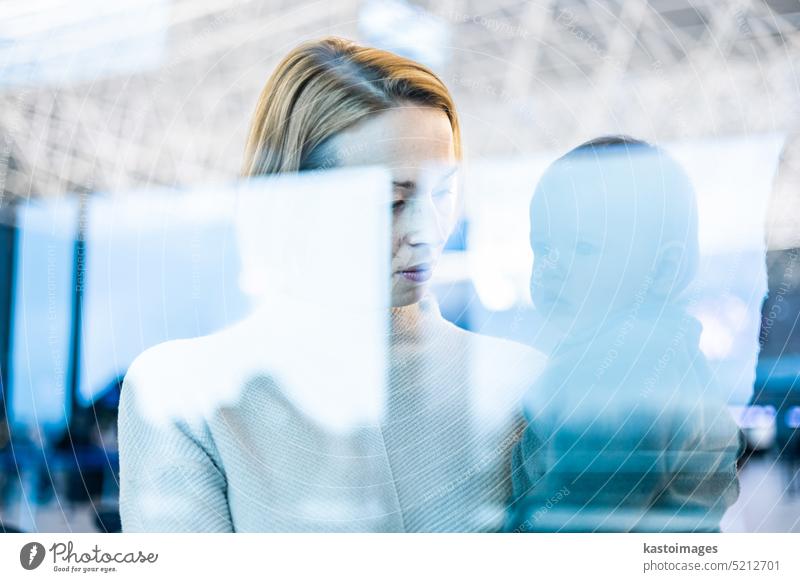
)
(405, 139)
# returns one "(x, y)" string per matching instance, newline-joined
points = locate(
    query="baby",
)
(625, 429)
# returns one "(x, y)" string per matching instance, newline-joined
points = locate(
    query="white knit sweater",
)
(438, 458)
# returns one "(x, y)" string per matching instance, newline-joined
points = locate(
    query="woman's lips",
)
(416, 274)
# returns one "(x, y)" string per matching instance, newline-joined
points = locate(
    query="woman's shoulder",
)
(484, 351)
(500, 352)
(177, 361)
(185, 378)
(502, 371)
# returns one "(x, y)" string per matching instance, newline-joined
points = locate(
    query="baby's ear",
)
(667, 274)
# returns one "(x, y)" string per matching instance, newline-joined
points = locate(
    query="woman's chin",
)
(408, 295)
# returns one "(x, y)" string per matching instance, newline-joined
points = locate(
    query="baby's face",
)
(589, 261)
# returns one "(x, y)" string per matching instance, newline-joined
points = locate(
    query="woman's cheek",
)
(396, 235)
(446, 210)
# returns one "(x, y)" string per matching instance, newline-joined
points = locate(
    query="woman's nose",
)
(423, 224)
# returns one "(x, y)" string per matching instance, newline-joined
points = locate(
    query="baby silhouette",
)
(625, 428)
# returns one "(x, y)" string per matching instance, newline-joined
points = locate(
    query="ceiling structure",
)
(528, 76)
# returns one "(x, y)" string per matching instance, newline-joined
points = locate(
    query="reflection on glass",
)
(626, 429)
(41, 347)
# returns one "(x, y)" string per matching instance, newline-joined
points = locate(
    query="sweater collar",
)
(413, 320)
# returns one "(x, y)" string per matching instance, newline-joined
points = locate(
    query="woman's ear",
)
(668, 272)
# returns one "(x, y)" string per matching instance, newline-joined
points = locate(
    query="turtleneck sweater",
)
(255, 458)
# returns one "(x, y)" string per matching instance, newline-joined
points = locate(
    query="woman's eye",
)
(398, 205)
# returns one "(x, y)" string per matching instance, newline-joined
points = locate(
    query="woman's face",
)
(416, 144)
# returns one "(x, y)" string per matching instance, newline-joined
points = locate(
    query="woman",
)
(438, 459)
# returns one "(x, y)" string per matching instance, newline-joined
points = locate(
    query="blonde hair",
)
(324, 87)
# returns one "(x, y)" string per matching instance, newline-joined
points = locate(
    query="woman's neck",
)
(413, 320)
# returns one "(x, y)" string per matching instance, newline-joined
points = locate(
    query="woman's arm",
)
(168, 480)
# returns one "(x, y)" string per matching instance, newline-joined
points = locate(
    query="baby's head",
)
(613, 226)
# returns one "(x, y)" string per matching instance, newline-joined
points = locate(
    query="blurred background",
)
(152, 99)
